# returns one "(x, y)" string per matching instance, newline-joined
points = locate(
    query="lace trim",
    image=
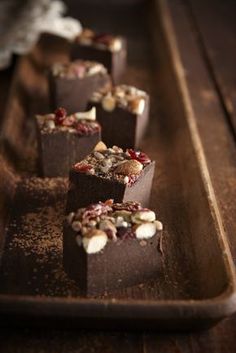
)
(27, 25)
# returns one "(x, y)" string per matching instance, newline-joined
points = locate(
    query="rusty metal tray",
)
(195, 287)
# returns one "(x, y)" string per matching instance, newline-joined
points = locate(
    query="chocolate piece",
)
(108, 246)
(64, 140)
(71, 85)
(111, 173)
(110, 50)
(123, 113)
(49, 42)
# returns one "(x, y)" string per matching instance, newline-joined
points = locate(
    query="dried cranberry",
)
(82, 167)
(84, 128)
(60, 115)
(139, 156)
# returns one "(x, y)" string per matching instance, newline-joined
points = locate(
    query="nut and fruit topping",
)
(129, 206)
(102, 41)
(86, 37)
(137, 105)
(81, 123)
(89, 115)
(100, 146)
(106, 221)
(114, 163)
(143, 216)
(78, 69)
(109, 103)
(84, 168)
(123, 96)
(60, 115)
(130, 167)
(95, 242)
(139, 156)
(145, 230)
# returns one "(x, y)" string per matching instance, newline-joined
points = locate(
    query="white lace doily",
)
(21, 26)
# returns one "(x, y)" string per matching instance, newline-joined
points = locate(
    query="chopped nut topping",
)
(109, 103)
(108, 221)
(130, 167)
(114, 163)
(123, 96)
(143, 216)
(95, 242)
(100, 146)
(145, 230)
(101, 41)
(78, 69)
(82, 123)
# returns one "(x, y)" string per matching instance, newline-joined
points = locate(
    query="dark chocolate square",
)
(115, 62)
(86, 189)
(58, 151)
(120, 264)
(121, 127)
(65, 139)
(110, 245)
(74, 93)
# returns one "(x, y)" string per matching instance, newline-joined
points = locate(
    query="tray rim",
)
(216, 307)
(168, 30)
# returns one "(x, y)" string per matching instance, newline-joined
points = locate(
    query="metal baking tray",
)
(195, 286)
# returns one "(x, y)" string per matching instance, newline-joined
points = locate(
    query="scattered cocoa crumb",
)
(35, 238)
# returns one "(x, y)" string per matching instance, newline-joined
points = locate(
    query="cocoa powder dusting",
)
(35, 240)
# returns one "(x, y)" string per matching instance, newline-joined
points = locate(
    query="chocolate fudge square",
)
(108, 49)
(109, 245)
(71, 85)
(123, 112)
(111, 173)
(65, 139)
